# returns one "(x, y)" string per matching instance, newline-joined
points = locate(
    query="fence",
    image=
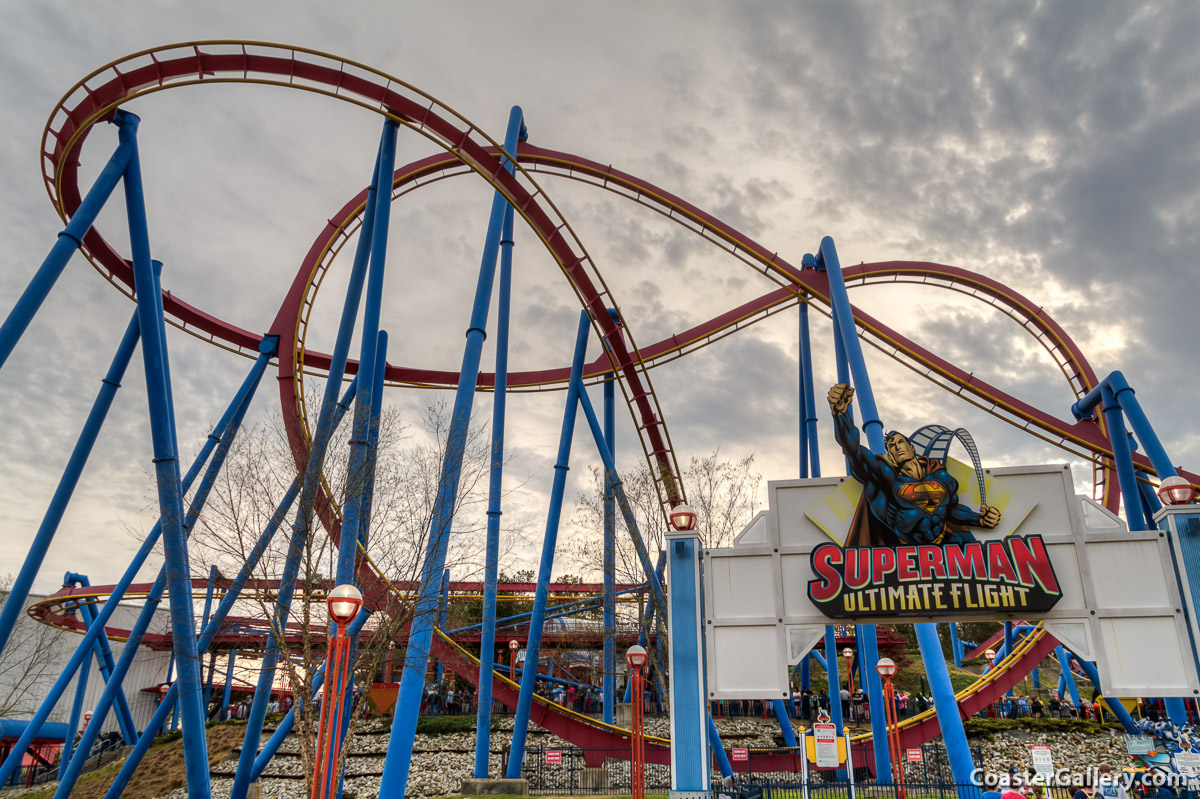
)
(777, 772)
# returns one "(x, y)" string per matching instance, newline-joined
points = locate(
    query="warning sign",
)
(1188, 763)
(740, 753)
(1043, 761)
(826, 738)
(553, 756)
(915, 756)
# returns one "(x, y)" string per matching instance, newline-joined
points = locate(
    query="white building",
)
(36, 654)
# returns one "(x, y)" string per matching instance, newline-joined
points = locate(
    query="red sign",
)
(553, 756)
(740, 753)
(915, 756)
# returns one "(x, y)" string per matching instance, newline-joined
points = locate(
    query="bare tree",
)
(724, 494)
(31, 660)
(407, 470)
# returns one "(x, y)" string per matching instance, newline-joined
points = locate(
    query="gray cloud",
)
(1052, 146)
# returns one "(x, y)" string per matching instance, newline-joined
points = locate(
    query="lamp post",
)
(344, 602)
(635, 656)
(513, 646)
(990, 656)
(848, 654)
(886, 669)
(683, 518)
(1176, 490)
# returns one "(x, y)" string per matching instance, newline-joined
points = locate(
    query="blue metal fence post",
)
(416, 657)
(690, 764)
(170, 500)
(541, 594)
(487, 643)
(19, 592)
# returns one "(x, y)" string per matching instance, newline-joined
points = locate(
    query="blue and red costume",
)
(898, 508)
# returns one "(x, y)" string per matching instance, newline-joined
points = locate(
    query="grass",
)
(160, 772)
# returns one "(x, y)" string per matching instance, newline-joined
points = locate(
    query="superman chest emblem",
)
(925, 494)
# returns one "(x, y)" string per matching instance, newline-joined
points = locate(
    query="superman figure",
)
(907, 498)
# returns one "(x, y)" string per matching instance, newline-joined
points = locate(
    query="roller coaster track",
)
(579, 729)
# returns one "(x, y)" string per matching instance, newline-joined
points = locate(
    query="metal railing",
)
(772, 772)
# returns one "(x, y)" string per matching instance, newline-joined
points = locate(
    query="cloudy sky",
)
(1053, 146)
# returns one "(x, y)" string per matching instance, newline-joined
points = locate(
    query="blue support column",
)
(869, 646)
(81, 682)
(361, 467)
(491, 567)
(779, 708)
(230, 425)
(226, 713)
(810, 466)
(541, 594)
(1067, 676)
(375, 226)
(442, 611)
(1008, 645)
(610, 560)
(956, 646)
(68, 241)
(213, 574)
(19, 593)
(1114, 705)
(416, 657)
(949, 716)
(170, 500)
(718, 750)
(690, 765)
(228, 599)
(831, 674)
(86, 645)
(104, 659)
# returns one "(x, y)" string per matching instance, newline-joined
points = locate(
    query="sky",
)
(1053, 146)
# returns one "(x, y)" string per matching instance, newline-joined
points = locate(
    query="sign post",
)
(690, 761)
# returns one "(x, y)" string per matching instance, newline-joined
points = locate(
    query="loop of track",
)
(96, 97)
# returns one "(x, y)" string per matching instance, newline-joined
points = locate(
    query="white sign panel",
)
(826, 738)
(1116, 599)
(1188, 763)
(1043, 761)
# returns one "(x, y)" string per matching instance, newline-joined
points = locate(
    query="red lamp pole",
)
(344, 602)
(636, 658)
(887, 669)
(513, 646)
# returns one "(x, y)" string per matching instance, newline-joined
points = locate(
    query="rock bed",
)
(440, 763)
